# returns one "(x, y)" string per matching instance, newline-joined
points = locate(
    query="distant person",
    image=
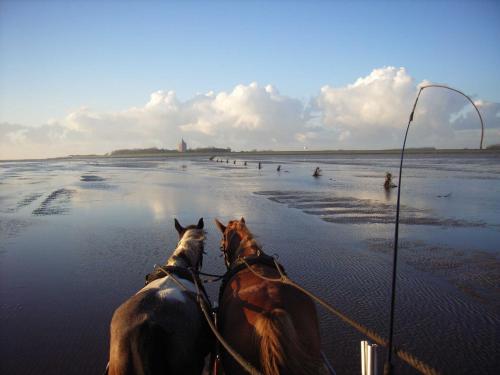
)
(388, 185)
(245, 164)
(279, 168)
(234, 162)
(227, 161)
(260, 165)
(317, 172)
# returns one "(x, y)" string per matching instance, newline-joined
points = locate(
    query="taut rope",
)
(202, 302)
(238, 358)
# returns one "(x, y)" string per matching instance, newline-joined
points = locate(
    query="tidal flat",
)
(77, 237)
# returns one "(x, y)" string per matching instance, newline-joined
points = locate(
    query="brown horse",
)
(161, 330)
(272, 325)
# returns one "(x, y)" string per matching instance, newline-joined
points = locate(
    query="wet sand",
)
(78, 236)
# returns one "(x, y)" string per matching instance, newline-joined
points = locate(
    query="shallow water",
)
(78, 236)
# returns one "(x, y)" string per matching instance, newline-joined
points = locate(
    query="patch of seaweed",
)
(26, 201)
(350, 210)
(55, 203)
(91, 178)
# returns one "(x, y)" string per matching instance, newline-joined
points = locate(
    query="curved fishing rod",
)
(388, 363)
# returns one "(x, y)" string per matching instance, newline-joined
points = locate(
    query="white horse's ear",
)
(200, 223)
(219, 225)
(178, 227)
(242, 221)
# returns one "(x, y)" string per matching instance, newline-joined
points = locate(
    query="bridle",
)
(230, 257)
(225, 247)
(199, 264)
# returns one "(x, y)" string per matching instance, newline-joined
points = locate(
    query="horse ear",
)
(219, 225)
(242, 221)
(200, 223)
(178, 227)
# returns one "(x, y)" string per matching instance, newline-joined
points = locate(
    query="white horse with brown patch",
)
(161, 329)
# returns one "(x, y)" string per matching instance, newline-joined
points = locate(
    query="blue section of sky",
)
(57, 56)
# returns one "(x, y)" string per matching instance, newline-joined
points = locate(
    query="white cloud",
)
(369, 113)
(383, 98)
(374, 110)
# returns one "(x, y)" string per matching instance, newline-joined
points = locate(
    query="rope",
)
(286, 280)
(181, 285)
(405, 356)
(214, 277)
(241, 361)
(201, 301)
(209, 274)
(415, 362)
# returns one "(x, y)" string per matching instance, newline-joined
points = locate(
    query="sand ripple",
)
(350, 210)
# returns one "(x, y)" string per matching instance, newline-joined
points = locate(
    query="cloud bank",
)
(369, 113)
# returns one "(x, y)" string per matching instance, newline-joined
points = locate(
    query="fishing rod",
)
(388, 364)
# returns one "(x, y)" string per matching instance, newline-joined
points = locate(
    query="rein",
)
(160, 271)
(203, 300)
(237, 357)
(242, 263)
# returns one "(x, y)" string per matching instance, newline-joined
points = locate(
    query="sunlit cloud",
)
(371, 112)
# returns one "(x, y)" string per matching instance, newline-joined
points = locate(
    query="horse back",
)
(154, 335)
(247, 299)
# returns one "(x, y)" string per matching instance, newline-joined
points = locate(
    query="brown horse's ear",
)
(219, 225)
(242, 221)
(200, 223)
(178, 227)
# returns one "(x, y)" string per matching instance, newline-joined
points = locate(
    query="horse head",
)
(191, 241)
(237, 240)
(181, 230)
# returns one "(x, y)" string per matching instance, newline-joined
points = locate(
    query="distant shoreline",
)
(174, 154)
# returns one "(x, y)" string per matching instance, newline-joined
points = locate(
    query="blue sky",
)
(110, 56)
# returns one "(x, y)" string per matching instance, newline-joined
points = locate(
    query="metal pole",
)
(388, 364)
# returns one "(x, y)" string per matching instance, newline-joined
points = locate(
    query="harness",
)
(243, 263)
(239, 265)
(159, 273)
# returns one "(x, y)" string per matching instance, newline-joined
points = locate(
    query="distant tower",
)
(182, 147)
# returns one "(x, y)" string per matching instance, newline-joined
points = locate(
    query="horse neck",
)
(188, 251)
(178, 261)
(248, 247)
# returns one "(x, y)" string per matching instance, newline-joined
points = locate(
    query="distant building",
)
(182, 147)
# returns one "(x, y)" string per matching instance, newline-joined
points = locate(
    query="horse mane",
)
(191, 244)
(247, 238)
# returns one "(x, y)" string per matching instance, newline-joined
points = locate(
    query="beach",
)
(78, 235)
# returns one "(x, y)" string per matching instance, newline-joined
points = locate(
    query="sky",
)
(81, 77)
